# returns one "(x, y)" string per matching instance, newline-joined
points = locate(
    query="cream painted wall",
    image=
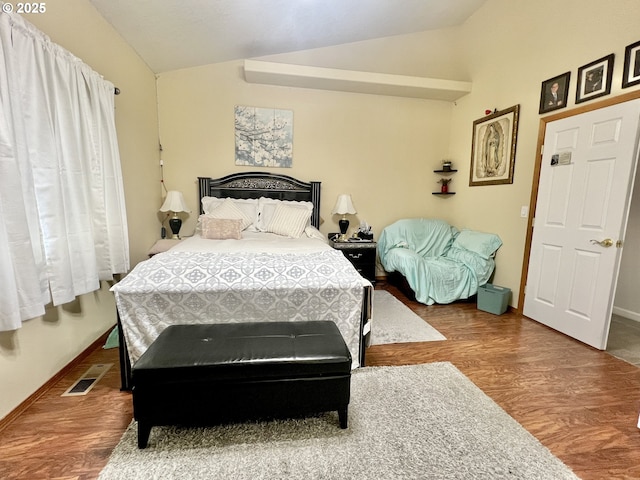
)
(43, 346)
(512, 46)
(380, 149)
(360, 143)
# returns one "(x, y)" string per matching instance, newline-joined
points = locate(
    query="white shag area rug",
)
(394, 322)
(412, 422)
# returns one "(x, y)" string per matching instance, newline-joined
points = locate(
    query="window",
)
(62, 215)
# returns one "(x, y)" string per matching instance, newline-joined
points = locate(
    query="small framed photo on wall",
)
(554, 93)
(631, 74)
(594, 79)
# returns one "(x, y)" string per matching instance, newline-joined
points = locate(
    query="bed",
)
(256, 255)
(437, 262)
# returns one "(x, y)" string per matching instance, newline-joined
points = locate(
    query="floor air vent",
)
(84, 384)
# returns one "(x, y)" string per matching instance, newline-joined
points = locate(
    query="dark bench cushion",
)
(255, 350)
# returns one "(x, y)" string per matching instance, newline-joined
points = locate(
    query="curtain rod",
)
(116, 91)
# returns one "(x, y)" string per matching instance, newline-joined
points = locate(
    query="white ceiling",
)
(174, 34)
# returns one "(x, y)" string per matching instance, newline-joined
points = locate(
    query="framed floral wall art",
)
(264, 137)
(493, 149)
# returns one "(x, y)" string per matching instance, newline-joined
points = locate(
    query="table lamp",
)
(174, 202)
(344, 206)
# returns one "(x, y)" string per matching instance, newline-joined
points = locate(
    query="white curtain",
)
(63, 224)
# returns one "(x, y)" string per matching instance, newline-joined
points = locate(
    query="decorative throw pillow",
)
(249, 206)
(267, 208)
(288, 221)
(228, 209)
(221, 228)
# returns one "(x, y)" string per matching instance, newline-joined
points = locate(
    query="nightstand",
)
(362, 255)
(162, 246)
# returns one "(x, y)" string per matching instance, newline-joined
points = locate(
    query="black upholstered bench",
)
(216, 373)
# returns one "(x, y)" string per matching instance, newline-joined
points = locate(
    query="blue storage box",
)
(493, 299)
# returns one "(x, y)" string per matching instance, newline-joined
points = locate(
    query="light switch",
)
(524, 211)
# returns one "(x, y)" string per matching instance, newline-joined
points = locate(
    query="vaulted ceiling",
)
(170, 35)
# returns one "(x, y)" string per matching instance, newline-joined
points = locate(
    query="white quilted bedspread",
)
(180, 287)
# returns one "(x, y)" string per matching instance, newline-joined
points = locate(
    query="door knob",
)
(607, 242)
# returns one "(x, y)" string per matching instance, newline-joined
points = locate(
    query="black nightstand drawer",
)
(361, 255)
(367, 271)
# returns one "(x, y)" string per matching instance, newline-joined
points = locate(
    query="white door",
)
(586, 177)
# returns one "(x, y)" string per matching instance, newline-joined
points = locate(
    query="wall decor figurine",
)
(555, 92)
(631, 74)
(444, 188)
(594, 79)
(493, 148)
(264, 137)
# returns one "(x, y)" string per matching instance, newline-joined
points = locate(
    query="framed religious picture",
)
(594, 79)
(631, 74)
(493, 148)
(554, 93)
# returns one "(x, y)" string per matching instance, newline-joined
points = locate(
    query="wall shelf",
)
(442, 171)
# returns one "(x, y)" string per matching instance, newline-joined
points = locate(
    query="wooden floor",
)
(581, 403)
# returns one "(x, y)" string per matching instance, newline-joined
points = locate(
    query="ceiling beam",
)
(289, 75)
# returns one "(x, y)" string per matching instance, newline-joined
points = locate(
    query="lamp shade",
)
(344, 205)
(174, 203)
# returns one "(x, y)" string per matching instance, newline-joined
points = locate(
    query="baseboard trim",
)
(20, 409)
(626, 314)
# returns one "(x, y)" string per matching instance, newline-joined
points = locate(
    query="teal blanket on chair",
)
(440, 263)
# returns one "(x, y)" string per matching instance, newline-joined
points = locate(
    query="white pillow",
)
(288, 221)
(228, 210)
(267, 208)
(248, 205)
(312, 232)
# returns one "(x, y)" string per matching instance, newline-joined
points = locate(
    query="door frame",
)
(536, 174)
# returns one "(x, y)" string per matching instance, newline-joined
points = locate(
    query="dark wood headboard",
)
(262, 184)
